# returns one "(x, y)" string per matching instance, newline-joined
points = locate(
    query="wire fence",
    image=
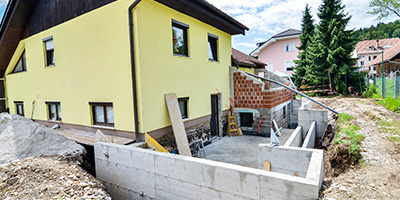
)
(388, 86)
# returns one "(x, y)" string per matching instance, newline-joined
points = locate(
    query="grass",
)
(391, 127)
(390, 86)
(391, 104)
(347, 134)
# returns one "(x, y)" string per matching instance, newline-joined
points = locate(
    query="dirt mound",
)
(21, 138)
(48, 177)
(338, 160)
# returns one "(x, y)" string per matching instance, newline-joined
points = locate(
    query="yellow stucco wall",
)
(248, 70)
(161, 72)
(92, 59)
(92, 64)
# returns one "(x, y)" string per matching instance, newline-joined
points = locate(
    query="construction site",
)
(147, 99)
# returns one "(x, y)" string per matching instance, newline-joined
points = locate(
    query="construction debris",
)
(48, 177)
(21, 138)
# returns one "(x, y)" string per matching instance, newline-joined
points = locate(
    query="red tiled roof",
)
(387, 55)
(363, 47)
(245, 59)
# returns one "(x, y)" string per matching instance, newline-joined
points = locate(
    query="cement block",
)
(296, 139)
(309, 141)
(306, 117)
(286, 160)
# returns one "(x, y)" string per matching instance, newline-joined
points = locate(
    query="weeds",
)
(391, 127)
(391, 104)
(347, 135)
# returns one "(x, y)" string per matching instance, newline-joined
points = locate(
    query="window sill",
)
(103, 127)
(54, 121)
(213, 61)
(186, 119)
(50, 66)
(181, 56)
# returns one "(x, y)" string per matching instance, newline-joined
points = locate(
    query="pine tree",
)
(304, 62)
(331, 49)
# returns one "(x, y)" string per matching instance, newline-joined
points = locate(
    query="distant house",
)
(391, 60)
(247, 63)
(279, 52)
(368, 50)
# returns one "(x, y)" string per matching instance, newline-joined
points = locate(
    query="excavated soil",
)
(377, 176)
(48, 177)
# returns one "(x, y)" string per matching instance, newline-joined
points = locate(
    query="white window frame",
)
(270, 67)
(362, 63)
(289, 47)
(286, 65)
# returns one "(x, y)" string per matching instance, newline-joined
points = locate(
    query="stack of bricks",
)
(249, 93)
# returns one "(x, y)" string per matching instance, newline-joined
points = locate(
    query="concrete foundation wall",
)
(307, 116)
(134, 173)
(309, 141)
(296, 139)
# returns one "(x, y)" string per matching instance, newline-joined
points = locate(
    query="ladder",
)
(234, 124)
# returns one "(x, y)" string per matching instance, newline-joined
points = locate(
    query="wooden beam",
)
(277, 128)
(177, 124)
(153, 143)
(267, 166)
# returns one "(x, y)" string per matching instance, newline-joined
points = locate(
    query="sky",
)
(266, 18)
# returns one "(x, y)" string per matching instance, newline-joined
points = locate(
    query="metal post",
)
(383, 80)
(397, 85)
(374, 80)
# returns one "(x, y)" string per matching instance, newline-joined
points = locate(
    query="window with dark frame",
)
(54, 111)
(212, 47)
(179, 38)
(19, 108)
(183, 106)
(50, 57)
(21, 64)
(103, 114)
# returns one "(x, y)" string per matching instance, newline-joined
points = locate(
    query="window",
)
(369, 58)
(212, 47)
(362, 63)
(54, 111)
(289, 46)
(179, 38)
(375, 57)
(21, 64)
(374, 68)
(19, 108)
(103, 113)
(362, 56)
(270, 67)
(183, 106)
(50, 57)
(289, 66)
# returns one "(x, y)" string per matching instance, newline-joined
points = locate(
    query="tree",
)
(384, 8)
(331, 49)
(304, 62)
(396, 33)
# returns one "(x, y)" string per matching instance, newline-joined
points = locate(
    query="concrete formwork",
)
(134, 173)
(306, 115)
(309, 141)
(296, 139)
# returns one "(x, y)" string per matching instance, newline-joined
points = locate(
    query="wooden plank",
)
(267, 166)
(100, 137)
(177, 124)
(277, 128)
(153, 143)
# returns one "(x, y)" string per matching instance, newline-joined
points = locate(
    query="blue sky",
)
(266, 18)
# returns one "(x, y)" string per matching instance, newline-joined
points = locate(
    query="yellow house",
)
(107, 64)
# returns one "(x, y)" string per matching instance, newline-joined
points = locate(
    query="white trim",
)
(294, 64)
(272, 40)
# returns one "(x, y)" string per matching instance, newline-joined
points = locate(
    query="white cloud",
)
(245, 44)
(3, 2)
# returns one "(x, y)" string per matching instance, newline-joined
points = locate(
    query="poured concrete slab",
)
(89, 138)
(241, 150)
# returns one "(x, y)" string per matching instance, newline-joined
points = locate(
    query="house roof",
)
(387, 55)
(287, 34)
(364, 47)
(19, 12)
(246, 60)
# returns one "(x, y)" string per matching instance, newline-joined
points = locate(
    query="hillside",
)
(379, 31)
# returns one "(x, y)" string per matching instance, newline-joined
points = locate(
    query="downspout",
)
(133, 70)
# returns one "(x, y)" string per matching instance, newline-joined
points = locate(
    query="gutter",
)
(133, 70)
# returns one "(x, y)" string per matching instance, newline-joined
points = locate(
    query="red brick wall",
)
(247, 94)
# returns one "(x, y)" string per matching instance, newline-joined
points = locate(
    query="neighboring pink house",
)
(279, 52)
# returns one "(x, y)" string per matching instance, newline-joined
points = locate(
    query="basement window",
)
(179, 38)
(212, 47)
(246, 119)
(19, 108)
(49, 57)
(183, 106)
(103, 114)
(54, 111)
(21, 64)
